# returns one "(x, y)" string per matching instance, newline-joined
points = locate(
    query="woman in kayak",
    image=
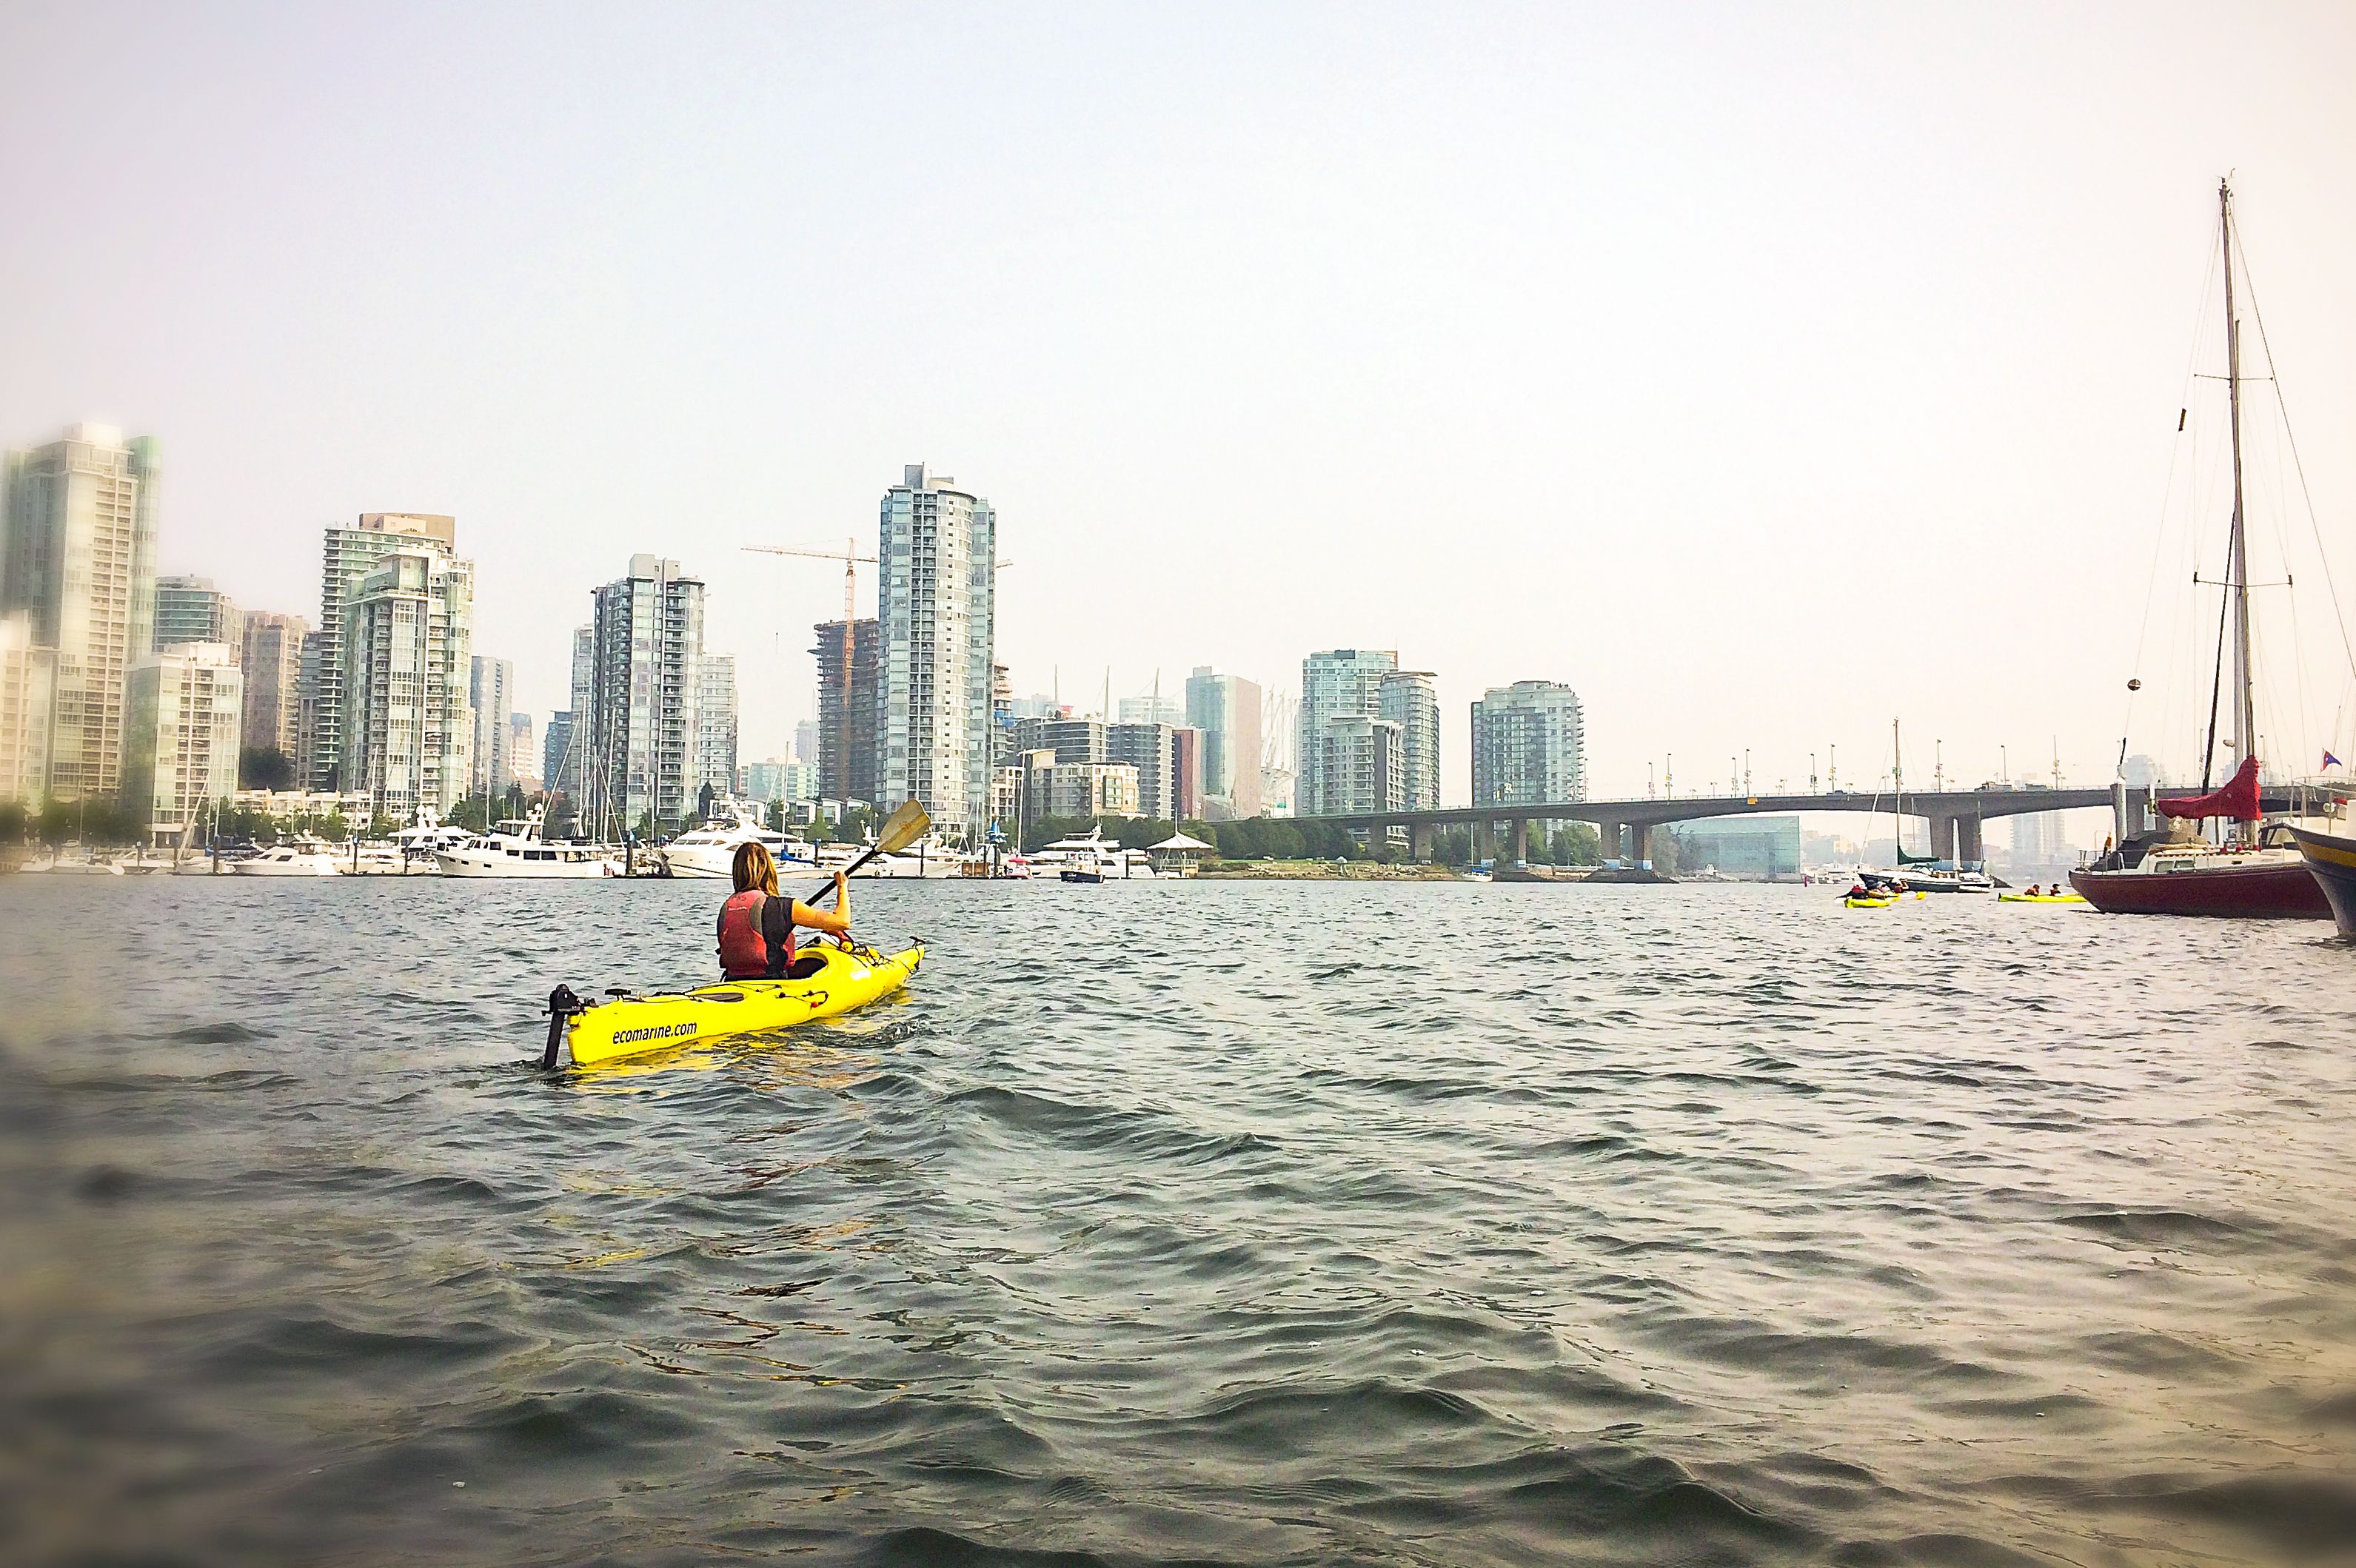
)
(756, 923)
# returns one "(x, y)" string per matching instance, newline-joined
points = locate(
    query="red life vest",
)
(746, 953)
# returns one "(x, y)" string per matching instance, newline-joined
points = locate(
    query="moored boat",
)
(2328, 848)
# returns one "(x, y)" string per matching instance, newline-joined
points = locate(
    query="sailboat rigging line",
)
(2298, 466)
(2216, 689)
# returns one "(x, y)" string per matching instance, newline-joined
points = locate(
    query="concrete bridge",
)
(1955, 815)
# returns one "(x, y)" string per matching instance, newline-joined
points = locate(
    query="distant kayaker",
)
(756, 923)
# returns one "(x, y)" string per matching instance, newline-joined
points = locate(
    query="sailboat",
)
(2257, 870)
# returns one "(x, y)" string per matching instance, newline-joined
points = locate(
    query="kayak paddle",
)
(906, 824)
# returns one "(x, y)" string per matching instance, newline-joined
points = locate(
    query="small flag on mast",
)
(2331, 761)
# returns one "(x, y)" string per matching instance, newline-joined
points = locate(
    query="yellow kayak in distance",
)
(1869, 904)
(2039, 899)
(630, 1026)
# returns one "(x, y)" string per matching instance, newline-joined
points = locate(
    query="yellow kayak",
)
(627, 1025)
(1869, 904)
(2039, 899)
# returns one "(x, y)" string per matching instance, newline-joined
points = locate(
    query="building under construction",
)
(847, 689)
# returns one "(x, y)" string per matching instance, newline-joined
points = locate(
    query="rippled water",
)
(1218, 1223)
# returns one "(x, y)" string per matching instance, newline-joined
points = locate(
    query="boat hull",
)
(2287, 891)
(477, 863)
(2331, 858)
(636, 1025)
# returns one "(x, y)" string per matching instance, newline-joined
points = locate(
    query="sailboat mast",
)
(2237, 570)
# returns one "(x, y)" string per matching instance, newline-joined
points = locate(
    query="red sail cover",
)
(2238, 799)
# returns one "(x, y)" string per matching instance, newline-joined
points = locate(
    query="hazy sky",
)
(1762, 372)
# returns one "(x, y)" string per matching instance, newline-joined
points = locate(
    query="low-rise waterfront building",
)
(1749, 849)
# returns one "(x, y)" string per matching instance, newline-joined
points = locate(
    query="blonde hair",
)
(756, 870)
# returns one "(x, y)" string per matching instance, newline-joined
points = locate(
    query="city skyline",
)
(1694, 371)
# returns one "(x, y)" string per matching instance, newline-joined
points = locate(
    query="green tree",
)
(382, 827)
(332, 827)
(264, 767)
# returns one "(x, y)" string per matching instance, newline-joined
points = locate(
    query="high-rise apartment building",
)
(29, 676)
(648, 640)
(1411, 699)
(849, 675)
(522, 757)
(272, 661)
(805, 741)
(1339, 683)
(1163, 761)
(1226, 710)
(490, 691)
(936, 604)
(715, 724)
(1529, 745)
(404, 672)
(1152, 711)
(347, 556)
(78, 559)
(191, 610)
(558, 765)
(1361, 764)
(183, 720)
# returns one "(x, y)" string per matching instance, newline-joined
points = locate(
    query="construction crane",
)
(851, 558)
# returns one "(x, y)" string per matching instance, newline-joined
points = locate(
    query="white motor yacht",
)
(711, 849)
(303, 856)
(1092, 852)
(517, 849)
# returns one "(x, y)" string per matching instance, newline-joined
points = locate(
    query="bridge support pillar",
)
(1485, 841)
(1943, 837)
(1607, 837)
(1640, 843)
(1969, 849)
(1521, 841)
(1419, 842)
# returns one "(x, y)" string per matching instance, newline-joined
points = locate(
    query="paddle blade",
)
(902, 828)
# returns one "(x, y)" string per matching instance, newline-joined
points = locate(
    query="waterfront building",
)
(490, 691)
(345, 556)
(1750, 848)
(1077, 789)
(272, 662)
(78, 560)
(936, 604)
(522, 756)
(306, 704)
(1153, 710)
(1186, 770)
(404, 672)
(1335, 684)
(1072, 740)
(27, 684)
(780, 778)
(1361, 764)
(184, 710)
(1226, 710)
(1411, 699)
(558, 769)
(845, 743)
(715, 724)
(1529, 744)
(1168, 759)
(648, 635)
(191, 610)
